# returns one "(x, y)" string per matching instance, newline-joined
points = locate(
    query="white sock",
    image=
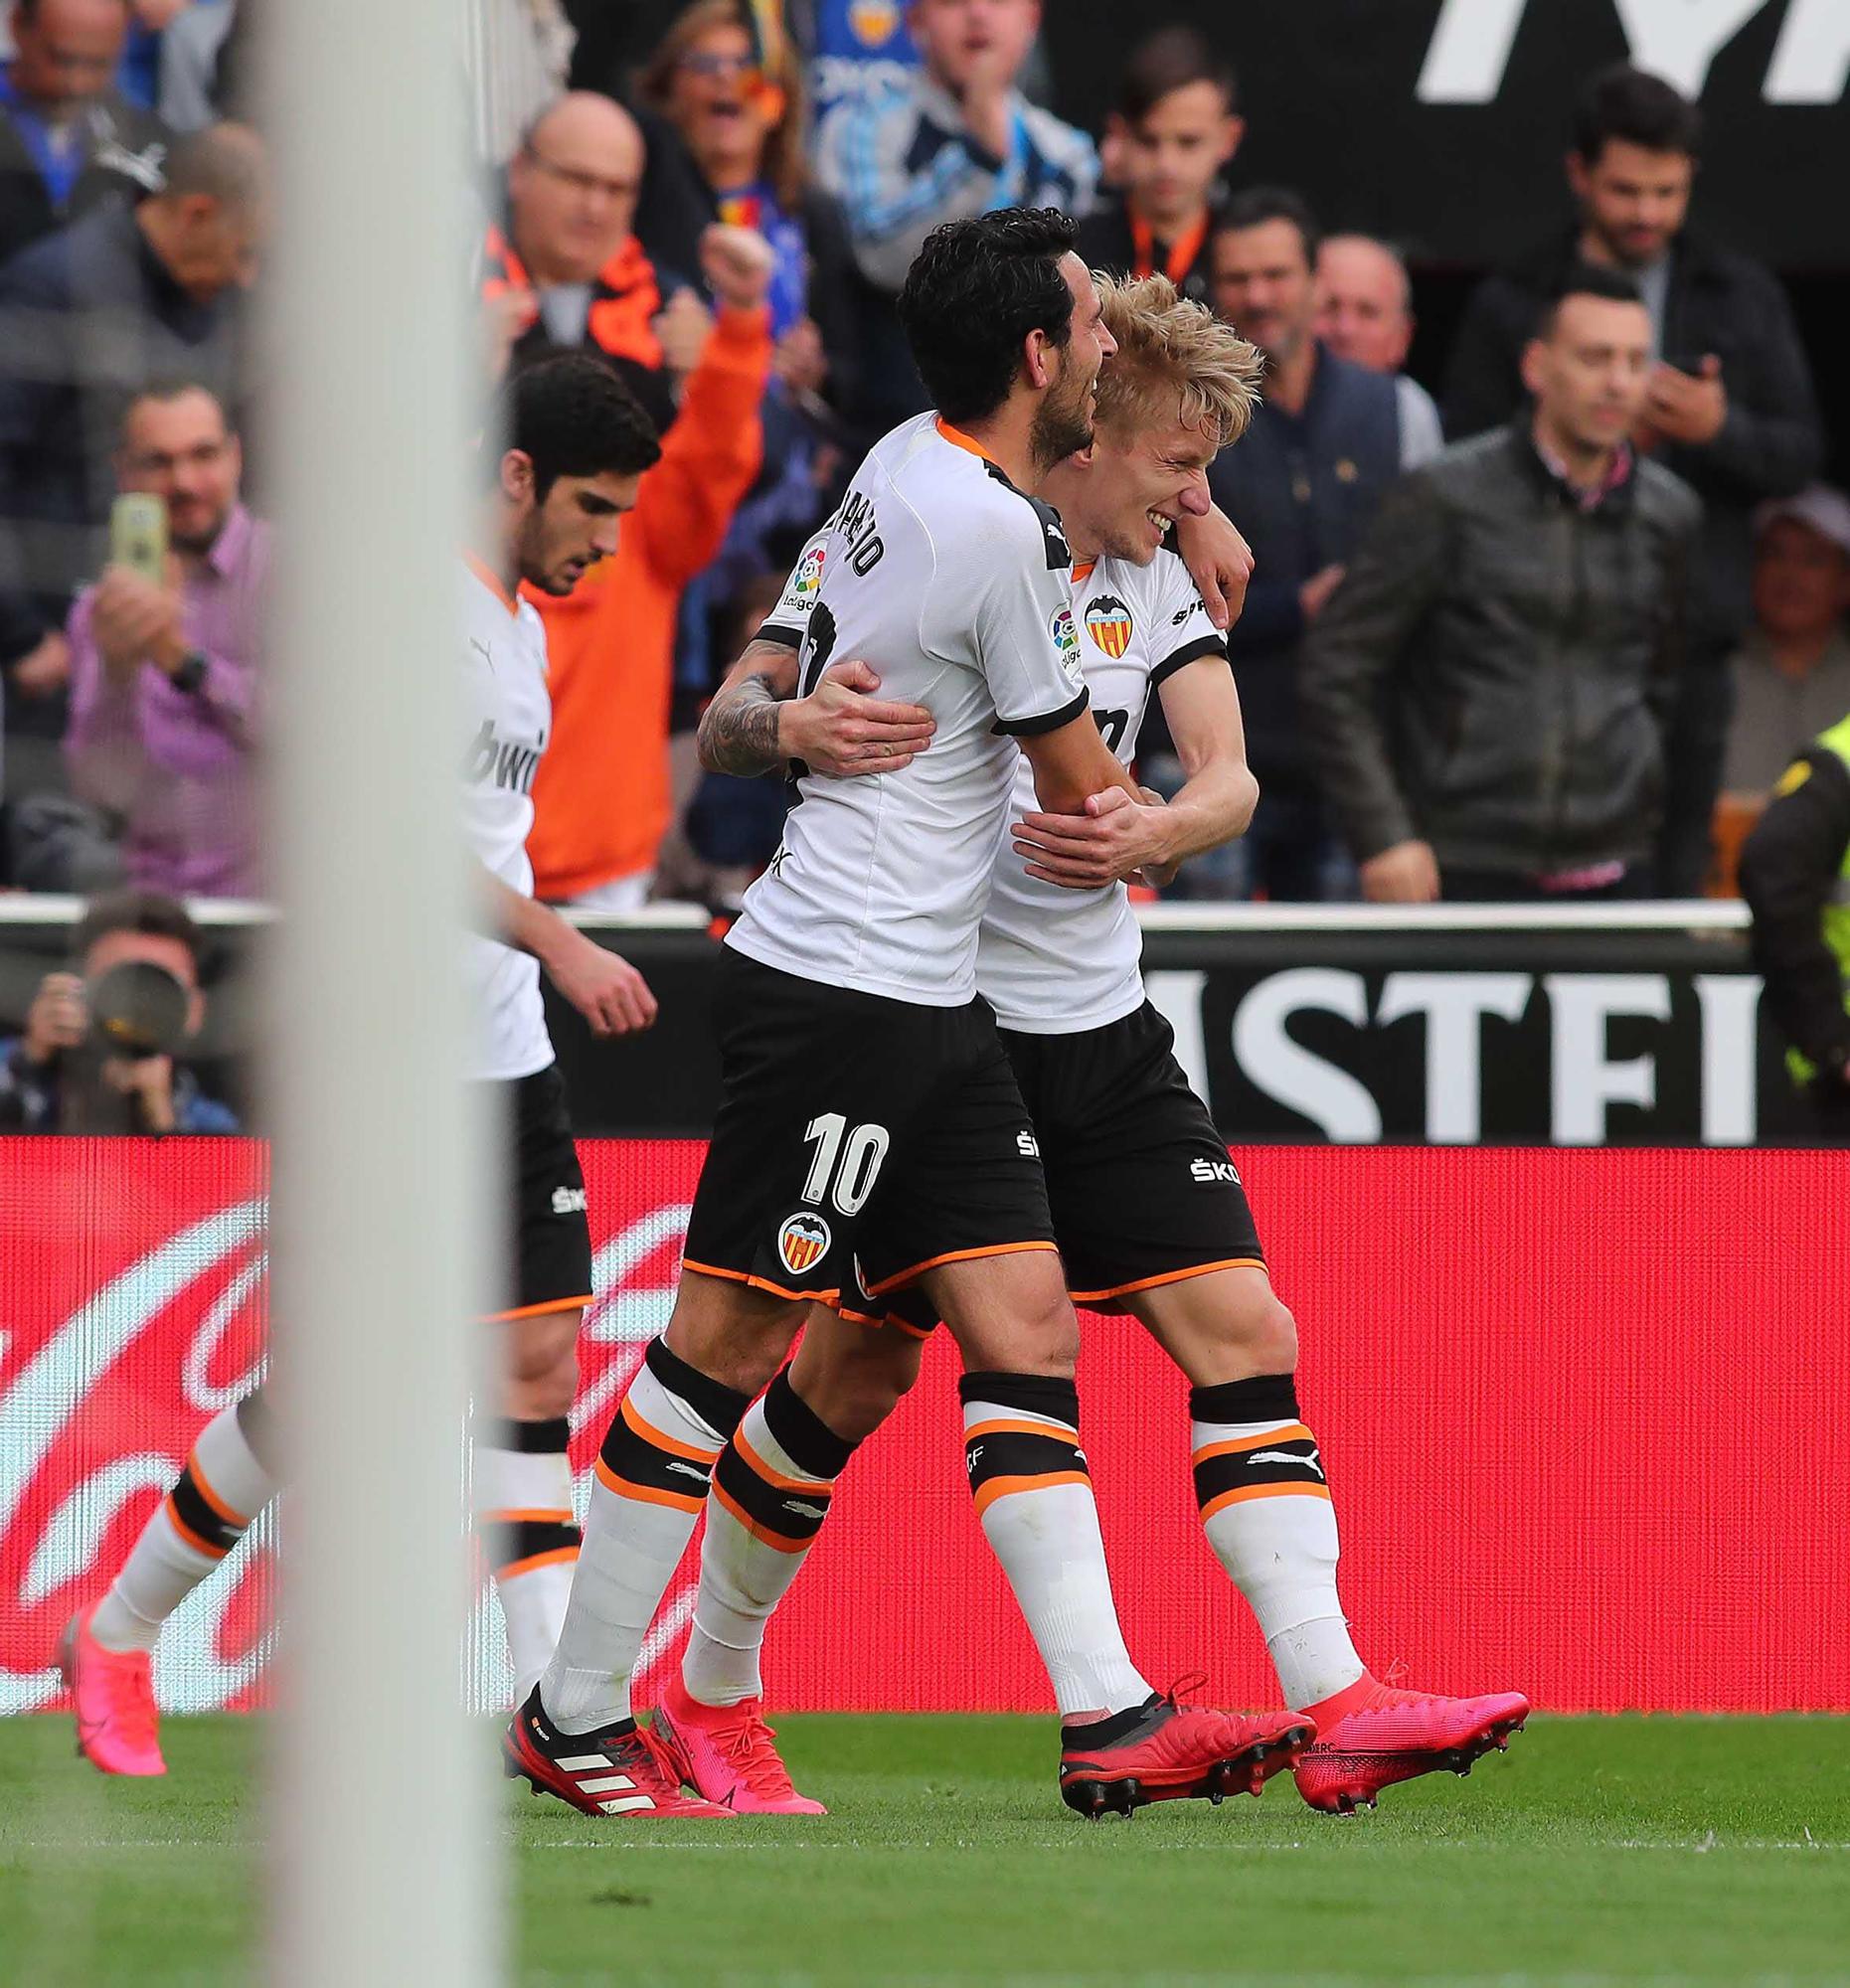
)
(523, 1506)
(221, 1489)
(1266, 1508)
(1034, 1497)
(650, 1490)
(771, 1493)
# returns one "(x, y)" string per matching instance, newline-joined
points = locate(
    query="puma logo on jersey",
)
(483, 650)
(1208, 1172)
(1288, 1456)
(508, 764)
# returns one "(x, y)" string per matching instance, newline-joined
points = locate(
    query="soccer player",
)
(1148, 1209)
(578, 444)
(870, 1121)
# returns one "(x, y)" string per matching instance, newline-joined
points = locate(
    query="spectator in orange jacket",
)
(601, 796)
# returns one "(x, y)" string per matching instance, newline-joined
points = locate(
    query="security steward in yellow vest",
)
(1795, 876)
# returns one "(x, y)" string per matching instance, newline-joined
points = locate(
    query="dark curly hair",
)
(574, 417)
(974, 292)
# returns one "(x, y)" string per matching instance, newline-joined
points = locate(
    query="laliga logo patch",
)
(802, 1241)
(809, 574)
(1066, 644)
(1108, 622)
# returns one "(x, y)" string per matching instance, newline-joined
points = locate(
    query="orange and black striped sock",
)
(221, 1489)
(770, 1494)
(1266, 1508)
(650, 1488)
(1034, 1496)
(524, 1509)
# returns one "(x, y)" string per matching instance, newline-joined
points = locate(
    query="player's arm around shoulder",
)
(756, 723)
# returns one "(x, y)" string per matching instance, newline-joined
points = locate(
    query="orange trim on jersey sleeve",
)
(959, 439)
(1238, 1445)
(1007, 1487)
(1082, 571)
(1168, 1277)
(828, 1298)
(211, 1497)
(492, 581)
(557, 1557)
(905, 1276)
(1250, 1491)
(527, 1517)
(676, 1500)
(780, 1542)
(657, 1440)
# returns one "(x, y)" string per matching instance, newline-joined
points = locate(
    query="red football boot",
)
(1169, 1752)
(606, 1772)
(728, 1754)
(112, 1694)
(1372, 1735)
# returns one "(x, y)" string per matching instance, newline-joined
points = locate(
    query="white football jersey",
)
(510, 717)
(953, 584)
(1053, 961)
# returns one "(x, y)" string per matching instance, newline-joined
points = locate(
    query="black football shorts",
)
(548, 1263)
(859, 1140)
(1139, 1179)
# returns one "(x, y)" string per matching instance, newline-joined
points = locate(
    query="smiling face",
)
(1120, 498)
(1063, 421)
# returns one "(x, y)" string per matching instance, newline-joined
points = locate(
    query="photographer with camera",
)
(100, 1048)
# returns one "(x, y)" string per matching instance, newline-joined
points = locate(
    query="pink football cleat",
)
(729, 1753)
(113, 1696)
(1373, 1735)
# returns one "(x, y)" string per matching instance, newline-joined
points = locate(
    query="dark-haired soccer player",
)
(577, 445)
(1150, 1213)
(870, 1121)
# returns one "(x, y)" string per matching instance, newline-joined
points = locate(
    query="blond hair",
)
(1175, 361)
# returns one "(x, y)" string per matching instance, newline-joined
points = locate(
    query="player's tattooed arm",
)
(757, 724)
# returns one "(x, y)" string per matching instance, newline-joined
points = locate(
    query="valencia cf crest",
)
(1108, 622)
(802, 1241)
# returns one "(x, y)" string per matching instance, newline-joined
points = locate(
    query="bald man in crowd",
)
(90, 316)
(564, 271)
(1365, 314)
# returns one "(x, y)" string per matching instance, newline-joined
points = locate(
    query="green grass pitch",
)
(1622, 1850)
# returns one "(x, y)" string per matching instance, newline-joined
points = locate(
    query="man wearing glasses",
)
(566, 271)
(162, 735)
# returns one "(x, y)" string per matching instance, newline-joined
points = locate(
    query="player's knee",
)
(1268, 1337)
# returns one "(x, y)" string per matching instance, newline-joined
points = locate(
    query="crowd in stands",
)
(1550, 629)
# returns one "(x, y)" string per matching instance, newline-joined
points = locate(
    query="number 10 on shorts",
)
(847, 1163)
